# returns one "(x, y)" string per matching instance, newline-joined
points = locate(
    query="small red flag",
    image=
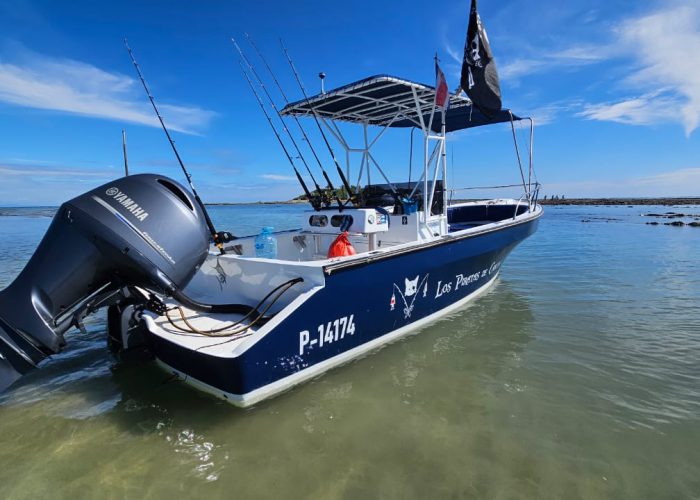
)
(442, 93)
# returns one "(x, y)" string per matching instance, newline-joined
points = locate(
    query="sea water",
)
(576, 376)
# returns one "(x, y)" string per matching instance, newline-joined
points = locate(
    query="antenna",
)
(322, 77)
(126, 161)
(219, 238)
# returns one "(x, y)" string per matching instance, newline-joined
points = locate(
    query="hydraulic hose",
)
(237, 328)
(223, 308)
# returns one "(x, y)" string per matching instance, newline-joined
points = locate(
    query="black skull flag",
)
(479, 76)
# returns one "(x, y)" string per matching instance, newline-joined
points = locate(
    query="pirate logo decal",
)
(413, 288)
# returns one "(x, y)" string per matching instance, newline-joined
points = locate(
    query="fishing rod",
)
(315, 202)
(352, 196)
(324, 198)
(296, 118)
(219, 237)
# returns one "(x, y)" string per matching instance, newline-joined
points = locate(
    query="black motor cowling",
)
(142, 230)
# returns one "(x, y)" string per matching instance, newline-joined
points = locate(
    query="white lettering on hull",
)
(330, 332)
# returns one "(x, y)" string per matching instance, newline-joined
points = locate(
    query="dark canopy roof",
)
(394, 102)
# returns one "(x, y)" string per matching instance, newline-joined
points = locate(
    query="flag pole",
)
(432, 112)
(444, 160)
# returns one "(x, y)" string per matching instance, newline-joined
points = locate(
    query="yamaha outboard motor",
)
(142, 230)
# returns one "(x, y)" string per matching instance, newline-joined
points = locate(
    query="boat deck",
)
(206, 326)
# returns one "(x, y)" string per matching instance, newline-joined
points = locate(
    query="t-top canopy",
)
(393, 102)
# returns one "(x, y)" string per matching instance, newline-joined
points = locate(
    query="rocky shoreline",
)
(621, 201)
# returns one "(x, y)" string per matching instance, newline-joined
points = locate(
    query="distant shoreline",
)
(237, 203)
(621, 201)
(566, 201)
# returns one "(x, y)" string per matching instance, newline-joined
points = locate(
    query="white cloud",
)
(571, 57)
(666, 48)
(47, 173)
(546, 113)
(276, 177)
(512, 70)
(647, 109)
(44, 171)
(582, 54)
(244, 192)
(75, 87)
(454, 54)
(19, 172)
(678, 180)
(676, 183)
(45, 183)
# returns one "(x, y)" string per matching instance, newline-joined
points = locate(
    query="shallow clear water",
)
(576, 376)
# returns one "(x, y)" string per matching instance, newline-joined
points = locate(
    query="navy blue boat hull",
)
(359, 305)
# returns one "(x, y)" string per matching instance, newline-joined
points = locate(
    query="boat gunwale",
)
(337, 265)
(416, 246)
(348, 264)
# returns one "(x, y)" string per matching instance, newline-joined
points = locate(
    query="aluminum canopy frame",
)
(390, 102)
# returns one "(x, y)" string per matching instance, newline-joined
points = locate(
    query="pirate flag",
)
(479, 76)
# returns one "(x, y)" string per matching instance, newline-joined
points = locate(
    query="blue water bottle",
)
(266, 244)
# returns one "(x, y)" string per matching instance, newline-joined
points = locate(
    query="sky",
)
(613, 87)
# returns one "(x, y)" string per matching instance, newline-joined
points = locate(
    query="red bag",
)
(341, 247)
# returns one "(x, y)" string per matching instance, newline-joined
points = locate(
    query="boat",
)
(244, 324)
(412, 265)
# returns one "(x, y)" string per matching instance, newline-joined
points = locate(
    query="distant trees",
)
(340, 192)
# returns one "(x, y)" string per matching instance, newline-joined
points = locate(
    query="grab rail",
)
(517, 205)
(532, 197)
(452, 191)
